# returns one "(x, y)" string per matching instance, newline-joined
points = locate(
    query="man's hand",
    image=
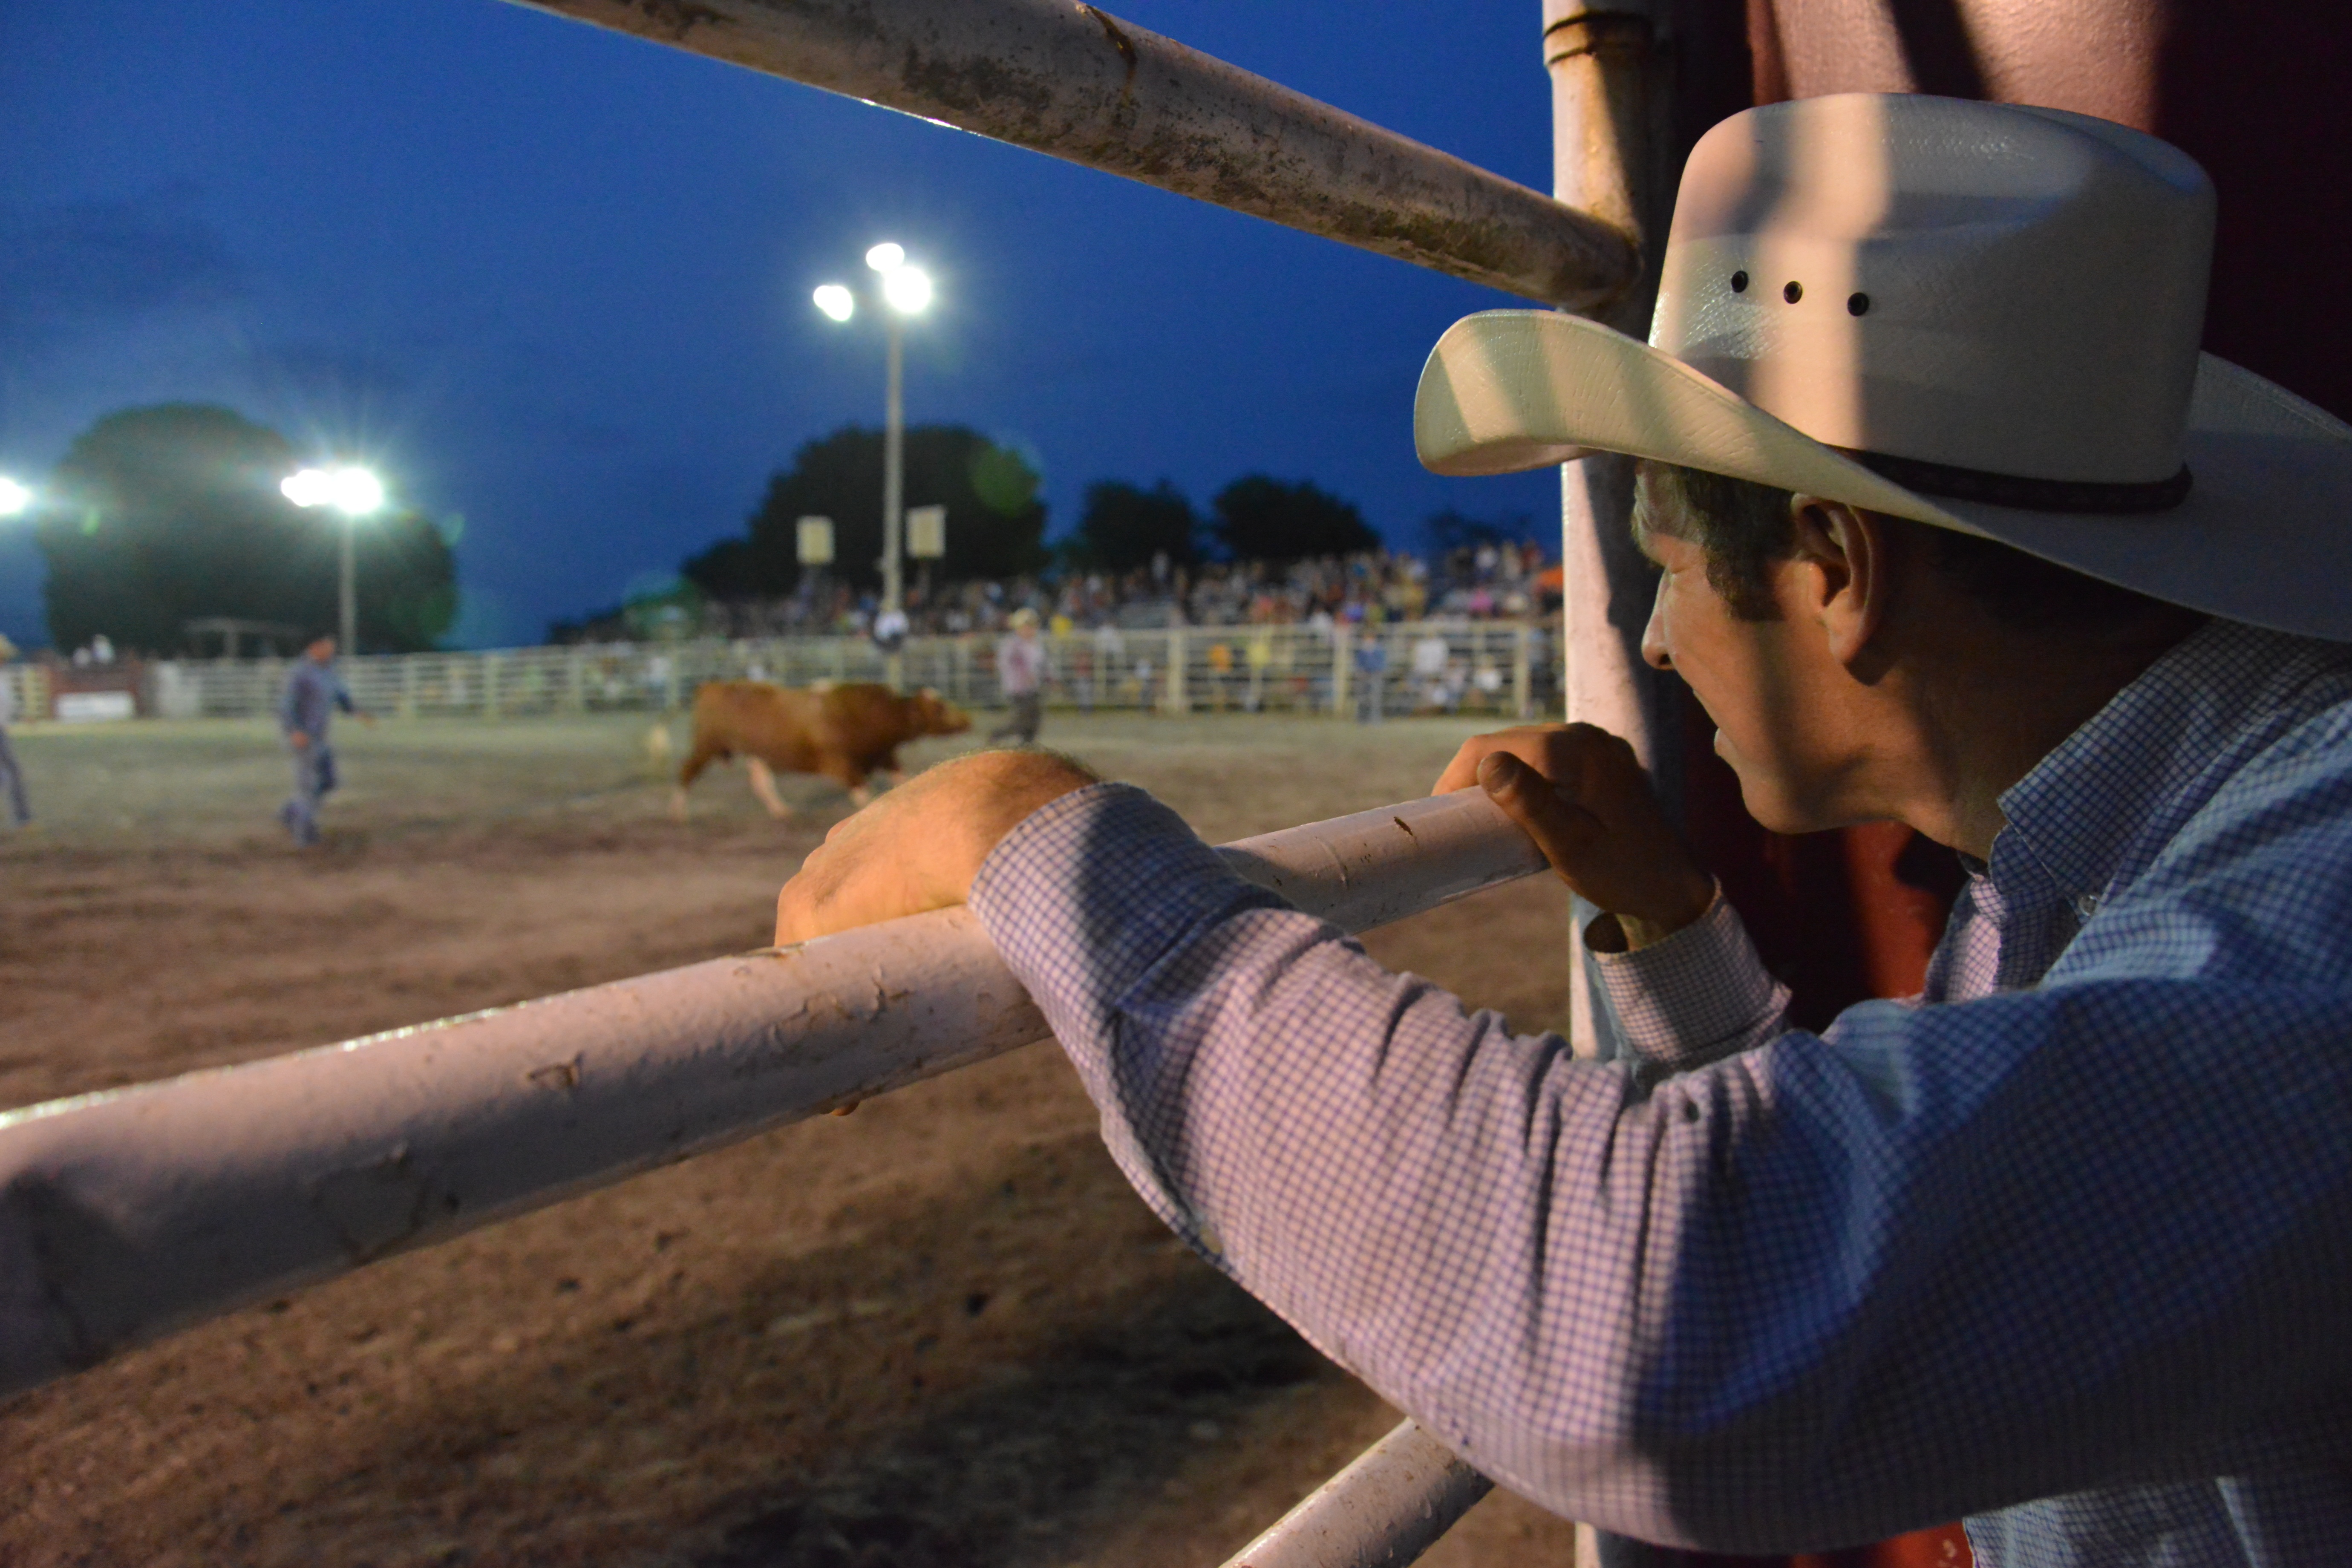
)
(299, 739)
(1582, 796)
(918, 847)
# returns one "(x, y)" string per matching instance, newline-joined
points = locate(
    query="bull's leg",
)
(890, 765)
(701, 757)
(763, 784)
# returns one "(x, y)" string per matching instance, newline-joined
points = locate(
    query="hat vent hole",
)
(1793, 292)
(1739, 282)
(1857, 304)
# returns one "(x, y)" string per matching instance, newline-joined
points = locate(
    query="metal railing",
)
(129, 1213)
(1500, 668)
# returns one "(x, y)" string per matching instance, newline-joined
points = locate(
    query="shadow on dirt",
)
(1026, 1473)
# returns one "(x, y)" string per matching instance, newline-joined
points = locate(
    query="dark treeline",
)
(996, 524)
(162, 515)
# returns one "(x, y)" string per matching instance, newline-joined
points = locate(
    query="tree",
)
(1125, 526)
(996, 524)
(1260, 518)
(166, 514)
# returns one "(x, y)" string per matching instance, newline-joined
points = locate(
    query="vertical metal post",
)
(1522, 671)
(349, 587)
(1607, 110)
(894, 485)
(1343, 664)
(1177, 699)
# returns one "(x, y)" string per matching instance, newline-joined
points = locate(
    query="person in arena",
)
(304, 710)
(12, 776)
(1021, 674)
(1955, 528)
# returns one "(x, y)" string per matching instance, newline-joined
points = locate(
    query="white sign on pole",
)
(815, 540)
(927, 532)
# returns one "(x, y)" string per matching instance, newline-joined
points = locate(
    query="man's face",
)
(321, 651)
(1764, 684)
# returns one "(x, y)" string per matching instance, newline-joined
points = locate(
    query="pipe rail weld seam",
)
(129, 1213)
(1075, 83)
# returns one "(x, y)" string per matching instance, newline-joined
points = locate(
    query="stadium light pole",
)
(906, 291)
(356, 493)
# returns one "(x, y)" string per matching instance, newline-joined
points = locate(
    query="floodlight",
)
(837, 302)
(909, 290)
(356, 492)
(353, 491)
(887, 258)
(14, 499)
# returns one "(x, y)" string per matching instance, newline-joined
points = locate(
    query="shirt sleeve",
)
(1699, 996)
(1931, 1263)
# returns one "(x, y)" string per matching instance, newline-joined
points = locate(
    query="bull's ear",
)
(930, 691)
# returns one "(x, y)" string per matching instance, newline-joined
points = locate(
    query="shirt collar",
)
(2075, 815)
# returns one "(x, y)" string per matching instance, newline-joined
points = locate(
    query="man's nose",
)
(1653, 635)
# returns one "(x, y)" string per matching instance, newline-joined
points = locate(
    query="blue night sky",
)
(557, 281)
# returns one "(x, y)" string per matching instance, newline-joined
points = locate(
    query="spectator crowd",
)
(1486, 581)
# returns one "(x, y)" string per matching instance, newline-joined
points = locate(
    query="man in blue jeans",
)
(305, 708)
(1955, 528)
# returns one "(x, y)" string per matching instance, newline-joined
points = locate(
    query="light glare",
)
(837, 302)
(357, 493)
(909, 290)
(14, 499)
(887, 258)
(353, 491)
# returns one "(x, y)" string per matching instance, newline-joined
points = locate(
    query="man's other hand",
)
(300, 740)
(918, 847)
(1582, 796)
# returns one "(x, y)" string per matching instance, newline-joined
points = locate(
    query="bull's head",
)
(935, 715)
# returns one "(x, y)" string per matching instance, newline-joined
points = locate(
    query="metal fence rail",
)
(1502, 668)
(1077, 83)
(128, 1214)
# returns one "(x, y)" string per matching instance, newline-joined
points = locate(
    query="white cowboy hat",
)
(1979, 316)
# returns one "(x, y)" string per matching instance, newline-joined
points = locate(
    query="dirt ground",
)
(942, 1332)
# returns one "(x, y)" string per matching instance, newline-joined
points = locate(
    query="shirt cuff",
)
(1700, 994)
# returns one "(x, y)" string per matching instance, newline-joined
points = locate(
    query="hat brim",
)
(2262, 537)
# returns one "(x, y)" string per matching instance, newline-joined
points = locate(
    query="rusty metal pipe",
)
(1382, 1511)
(1077, 83)
(127, 1215)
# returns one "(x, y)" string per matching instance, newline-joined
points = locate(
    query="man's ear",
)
(1843, 576)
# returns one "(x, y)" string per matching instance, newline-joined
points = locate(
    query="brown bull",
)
(842, 732)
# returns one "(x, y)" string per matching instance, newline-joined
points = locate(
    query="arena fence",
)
(1503, 668)
(129, 1213)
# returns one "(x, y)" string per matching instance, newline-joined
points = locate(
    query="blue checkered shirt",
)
(2064, 1245)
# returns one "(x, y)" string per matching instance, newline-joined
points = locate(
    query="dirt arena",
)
(940, 1332)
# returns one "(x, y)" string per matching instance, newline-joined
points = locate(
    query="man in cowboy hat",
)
(1955, 528)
